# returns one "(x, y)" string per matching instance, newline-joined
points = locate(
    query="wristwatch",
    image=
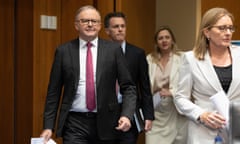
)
(199, 120)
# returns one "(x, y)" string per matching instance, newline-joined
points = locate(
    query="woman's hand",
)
(213, 120)
(164, 92)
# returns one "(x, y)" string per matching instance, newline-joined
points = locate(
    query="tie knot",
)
(89, 44)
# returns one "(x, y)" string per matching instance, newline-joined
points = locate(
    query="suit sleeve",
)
(127, 87)
(53, 93)
(144, 87)
(182, 98)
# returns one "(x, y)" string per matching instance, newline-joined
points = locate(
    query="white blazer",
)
(198, 80)
(168, 127)
(176, 63)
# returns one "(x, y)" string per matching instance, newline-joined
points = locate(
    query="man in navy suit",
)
(67, 90)
(115, 27)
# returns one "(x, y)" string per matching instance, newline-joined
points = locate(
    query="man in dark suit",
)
(115, 27)
(83, 121)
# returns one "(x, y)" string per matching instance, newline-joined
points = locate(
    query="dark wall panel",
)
(7, 72)
(231, 5)
(23, 71)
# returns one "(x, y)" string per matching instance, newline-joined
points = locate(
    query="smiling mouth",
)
(90, 30)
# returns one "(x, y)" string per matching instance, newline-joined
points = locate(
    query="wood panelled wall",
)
(7, 71)
(45, 42)
(231, 5)
(141, 22)
(27, 52)
(23, 71)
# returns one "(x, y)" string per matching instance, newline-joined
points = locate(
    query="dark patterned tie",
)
(90, 90)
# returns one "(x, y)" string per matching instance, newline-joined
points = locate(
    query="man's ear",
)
(76, 26)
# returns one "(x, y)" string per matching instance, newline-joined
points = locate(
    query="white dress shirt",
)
(79, 103)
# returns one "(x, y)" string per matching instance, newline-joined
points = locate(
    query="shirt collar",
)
(83, 42)
(123, 45)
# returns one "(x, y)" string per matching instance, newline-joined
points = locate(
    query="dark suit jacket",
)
(138, 67)
(111, 65)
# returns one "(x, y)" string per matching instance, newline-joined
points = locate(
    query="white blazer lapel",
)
(175, 66)
(152, 69)
(235, 84)
(209, 73)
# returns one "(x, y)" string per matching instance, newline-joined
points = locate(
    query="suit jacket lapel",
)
(209, 73)
(175, 65)
(100, 57)
(74, 56)
(235, 70)
(126, 54)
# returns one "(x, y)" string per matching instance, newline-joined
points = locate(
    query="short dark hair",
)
(111, 15)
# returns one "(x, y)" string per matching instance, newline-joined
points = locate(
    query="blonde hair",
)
(157, 51)
(209, 19)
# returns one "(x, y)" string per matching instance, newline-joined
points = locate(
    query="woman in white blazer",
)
(211, 69)
(168, 127)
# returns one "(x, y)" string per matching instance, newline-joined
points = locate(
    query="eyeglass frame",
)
(224, 28)
(94, 22)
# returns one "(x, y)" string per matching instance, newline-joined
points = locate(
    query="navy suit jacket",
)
(111, 65)
(138, 67)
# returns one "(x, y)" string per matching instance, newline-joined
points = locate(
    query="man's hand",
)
(124, 124)
(148, 125)
(46, 134)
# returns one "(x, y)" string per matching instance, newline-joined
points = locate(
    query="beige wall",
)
(182, 17)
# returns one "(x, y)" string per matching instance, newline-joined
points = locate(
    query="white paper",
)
(37, 140)
(40, 140)
(156, 100)
(51, 141)
(221, 103)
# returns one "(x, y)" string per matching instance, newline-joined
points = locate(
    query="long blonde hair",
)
(209, 19)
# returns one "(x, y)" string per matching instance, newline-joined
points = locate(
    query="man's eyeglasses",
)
(224, 28)
(88, 21)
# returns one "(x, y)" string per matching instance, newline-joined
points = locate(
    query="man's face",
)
(88, 24)
(117, 29)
